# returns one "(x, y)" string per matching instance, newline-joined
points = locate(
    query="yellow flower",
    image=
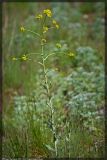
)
(54, 22)
(45, 29)
(58, 45)
(57, 26)
(22, 29)
(24, 57)
(71, 54)
(14, 58)
(48, 12)
(39, 16)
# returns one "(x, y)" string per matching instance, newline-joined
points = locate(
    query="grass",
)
(76, 83)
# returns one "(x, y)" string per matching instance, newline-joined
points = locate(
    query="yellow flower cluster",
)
(71, 54)
(47, 12)
(45, 29)
(22, 29)
(39, 16)
(55, 24)
(58, 45)
(14, 58)
(24, 57)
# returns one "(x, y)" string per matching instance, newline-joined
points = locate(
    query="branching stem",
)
(49, 101)
(33, 33)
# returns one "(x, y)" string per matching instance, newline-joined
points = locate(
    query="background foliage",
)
(77, 83)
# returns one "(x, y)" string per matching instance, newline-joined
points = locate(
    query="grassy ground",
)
(77, 83)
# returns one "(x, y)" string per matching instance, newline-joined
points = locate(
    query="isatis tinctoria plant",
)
(43, 18)
(47, 23)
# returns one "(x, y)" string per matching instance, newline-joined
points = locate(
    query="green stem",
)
(48, 56)
(33, 32)
(48, 91)
(49, 101)
(44, 70)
